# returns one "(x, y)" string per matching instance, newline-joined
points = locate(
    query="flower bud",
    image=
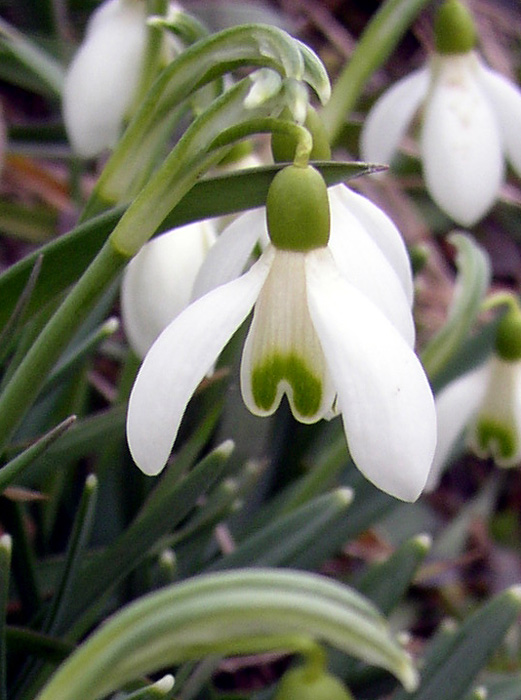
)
(454, 29)
(283, 146)
(103, 77)
(302, 683)
(297, 209)
(508, 335)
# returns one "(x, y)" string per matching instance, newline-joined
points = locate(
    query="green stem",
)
(270, 125)
(378, 40)
(32, 372)
(499, 299)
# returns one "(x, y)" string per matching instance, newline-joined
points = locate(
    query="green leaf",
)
(472, 284)
(385, 584)
(290, 539)
(451, 668)
(257, 610)
(13, 469)
(46, 69)
(65, 258)
(159, 516)
(505, 688)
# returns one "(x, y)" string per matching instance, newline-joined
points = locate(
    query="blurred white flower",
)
(157, 283)
(103, 77)
(484, 405)
(332, 330)
(469, 122)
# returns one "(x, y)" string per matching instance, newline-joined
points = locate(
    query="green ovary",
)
(307, 388)
(497, 438)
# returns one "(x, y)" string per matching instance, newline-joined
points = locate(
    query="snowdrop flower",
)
(103, 77)
(327, 331)
(470, 118)
(485, 404)
(157, 284)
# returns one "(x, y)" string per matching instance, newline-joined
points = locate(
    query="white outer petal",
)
(386, 402)
(461, 146)
(103, 76)
(505, 100)
(178, 361)
(456, 404)
(157, 284)
(363, 264)
(382, 230)
(228, 257)
(391, 115)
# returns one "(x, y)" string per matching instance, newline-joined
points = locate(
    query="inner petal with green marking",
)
(497, 428)
(282, 353)
(497, 439)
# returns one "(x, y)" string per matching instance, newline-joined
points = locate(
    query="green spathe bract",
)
(497, 438)
(307, 387)
(297, 209)
(508, 335)
(301, 683)
(454, 29)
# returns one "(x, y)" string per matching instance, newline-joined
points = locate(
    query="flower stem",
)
(501, 298)
(375, 45)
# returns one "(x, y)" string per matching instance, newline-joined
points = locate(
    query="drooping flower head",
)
(332, 331)
(470, 118)
(485, 404)
(103, 80)
(103, 77)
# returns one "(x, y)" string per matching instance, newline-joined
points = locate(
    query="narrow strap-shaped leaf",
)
(385, 584)
(43, 646)
(161, 689)
(280, 542)
(504, 688)
(160, 517)
(16, 317)
(77, 542)
(450, 671)
(260, 609)
(64, 259)
(48, 71)
(16, 466)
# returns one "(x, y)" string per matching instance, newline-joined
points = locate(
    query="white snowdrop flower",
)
(484, 404)
(103, 77)
(327, 331)
(469, 121)
(157, 283)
